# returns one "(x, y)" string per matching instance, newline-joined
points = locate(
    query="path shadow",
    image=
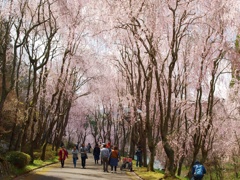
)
(38, 177)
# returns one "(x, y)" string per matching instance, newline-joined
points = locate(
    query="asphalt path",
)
(92, 172)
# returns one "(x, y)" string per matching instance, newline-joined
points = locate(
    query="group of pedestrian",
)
(63, 154)
(109, 155)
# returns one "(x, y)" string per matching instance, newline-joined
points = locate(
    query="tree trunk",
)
(151, 159)
(132, 142)
(12, 136)
(144, 148)
(44, 151)
(171, 169)
(180, 165)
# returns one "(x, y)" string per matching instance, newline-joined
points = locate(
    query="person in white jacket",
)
(104, 155)
(75, 155)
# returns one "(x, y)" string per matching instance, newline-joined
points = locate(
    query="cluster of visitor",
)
(109, 155)
(63, 154)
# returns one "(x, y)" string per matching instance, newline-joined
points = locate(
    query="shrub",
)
(36, 155)
(49, 155)
(18, 159)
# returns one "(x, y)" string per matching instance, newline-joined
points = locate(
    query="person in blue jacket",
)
(139, 157)
(198, 171)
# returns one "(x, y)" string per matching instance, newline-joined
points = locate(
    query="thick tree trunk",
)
(144, 148)
(44, 147)
(151, 159)
(171, 169)
(12, 136)
(180, 165)
(25, 138)
(124, 139)
(132, 142)
(17, 146)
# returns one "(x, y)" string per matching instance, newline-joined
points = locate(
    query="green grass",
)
(40, 163)
(36, 164)
(148, 175)
(227, 171)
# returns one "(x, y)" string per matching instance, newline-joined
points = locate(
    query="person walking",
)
(198, 171)
(63, 154)
(75, 155)
(84, 156)
(139, 157)
(104, 155)
(96, 153)
(114, 159)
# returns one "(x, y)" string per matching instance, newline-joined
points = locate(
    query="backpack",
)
(105, 153)
(138, 152)
(114, 154)
(198, 170)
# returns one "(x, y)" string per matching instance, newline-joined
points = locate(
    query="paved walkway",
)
(92, 172)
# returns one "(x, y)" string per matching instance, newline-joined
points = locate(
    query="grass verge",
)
(36, 164)
(148, 175)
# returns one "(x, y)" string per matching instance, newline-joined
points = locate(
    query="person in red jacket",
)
(63, 154)
(108, 145)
